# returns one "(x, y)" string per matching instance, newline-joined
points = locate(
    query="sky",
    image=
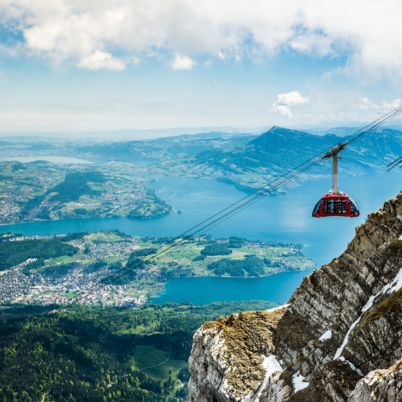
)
(102, 65)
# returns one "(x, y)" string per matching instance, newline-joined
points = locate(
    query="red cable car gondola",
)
(335, 203)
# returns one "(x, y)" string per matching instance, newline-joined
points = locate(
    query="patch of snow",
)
(271, 366)
(397, 283)
(390, 287)
(339, 351)
(299, 382)
(326, 335)
(277, 308)
(352, 366)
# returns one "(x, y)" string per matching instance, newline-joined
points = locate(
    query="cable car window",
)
(353, 208)
(316, 209)
(354, 203)
(340, 207)
(329, 207)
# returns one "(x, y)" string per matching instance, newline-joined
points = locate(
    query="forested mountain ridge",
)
(40, 190)
(281, 148)
(90, 354)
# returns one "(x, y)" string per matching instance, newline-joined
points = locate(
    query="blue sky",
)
(103, 65)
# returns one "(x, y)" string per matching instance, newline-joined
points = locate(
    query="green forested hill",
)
(280, 148)
(42, 190)
(93, 354)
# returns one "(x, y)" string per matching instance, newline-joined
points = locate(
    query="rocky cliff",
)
(338, 339)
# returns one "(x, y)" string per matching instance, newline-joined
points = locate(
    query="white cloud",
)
(135, 61)
(285, 101)
(368, 32)
(291, 98)
(181, 62)
(101, 60)
(393, 104)
(384, 106)
(208, 63)
(312, 44)
(282, 110)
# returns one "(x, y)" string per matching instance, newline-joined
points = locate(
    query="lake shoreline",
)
(198, 291)
(247, 277)
(286, 219)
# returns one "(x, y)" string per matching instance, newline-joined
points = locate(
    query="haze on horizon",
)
(103, 66)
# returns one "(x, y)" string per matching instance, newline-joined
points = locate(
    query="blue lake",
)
(277, 288)
(282, 218)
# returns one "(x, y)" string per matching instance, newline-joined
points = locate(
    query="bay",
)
(282, 218)
(277, 288)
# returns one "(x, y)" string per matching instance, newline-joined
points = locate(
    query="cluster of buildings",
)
(14, 284)
(74, 288)
(9, 211)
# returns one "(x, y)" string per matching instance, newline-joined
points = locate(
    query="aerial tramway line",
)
(333, 204)
(395, 163)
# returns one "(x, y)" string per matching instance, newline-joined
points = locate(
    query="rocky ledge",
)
(338, 339)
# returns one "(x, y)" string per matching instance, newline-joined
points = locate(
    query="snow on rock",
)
(326, 335)
(391, 287)
(299, 382)
(271, 365)
(277, 308)
(352, 366)
(339, 351)
(397, 283)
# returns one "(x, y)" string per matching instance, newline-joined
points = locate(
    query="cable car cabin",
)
(336, 204)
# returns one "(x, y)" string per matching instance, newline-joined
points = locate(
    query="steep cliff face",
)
(338, 339)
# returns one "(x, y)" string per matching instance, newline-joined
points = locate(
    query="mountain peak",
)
(280, 137)
(284, 130)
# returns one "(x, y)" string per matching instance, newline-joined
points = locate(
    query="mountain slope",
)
(338, 339)
(251, 165)
(283, 148)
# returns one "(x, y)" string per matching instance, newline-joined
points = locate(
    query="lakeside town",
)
(108, 268)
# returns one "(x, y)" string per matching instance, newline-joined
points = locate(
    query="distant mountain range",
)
(275, 149)
(243, 159)
(146, 151)
(281, 148)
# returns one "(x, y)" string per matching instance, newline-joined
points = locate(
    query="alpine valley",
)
(90, 265)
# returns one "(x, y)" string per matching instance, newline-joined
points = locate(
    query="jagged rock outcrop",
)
(380, 385)
(339, 338)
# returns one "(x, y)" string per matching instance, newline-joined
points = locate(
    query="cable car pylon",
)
(335, 202)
